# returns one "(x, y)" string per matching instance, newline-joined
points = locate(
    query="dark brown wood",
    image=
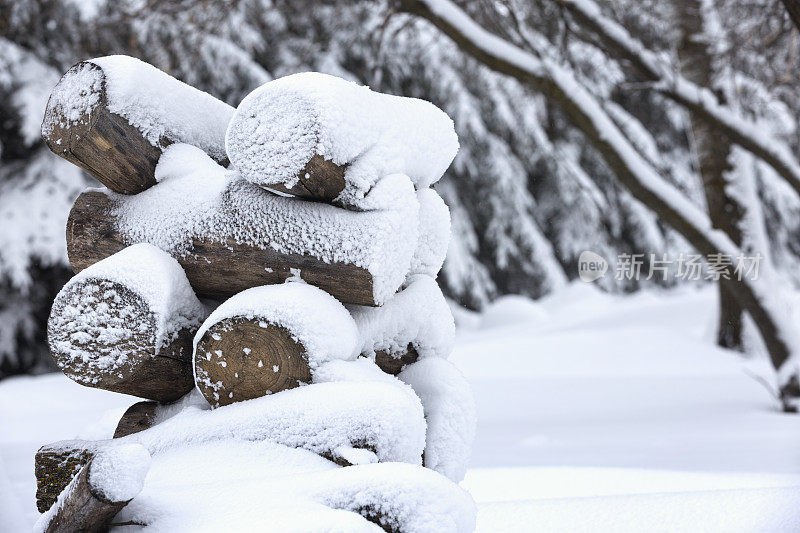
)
(83, 508)
(138, 417)
(161, 373)
(321, 180)
(55, 466)
(240, 359)
(216, 269)
(394, 363)
(103, 143)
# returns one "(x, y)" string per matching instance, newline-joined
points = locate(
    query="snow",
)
(449, 412)
(434, 234)
(97, 326)
(601, 413)
(198, 198)
(268, 487)
(417, 315)
(280, 126)
(118, 473)
(163, 108)
(312, 317)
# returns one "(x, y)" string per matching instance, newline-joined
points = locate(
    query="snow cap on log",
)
(230, 235)
(114, 115)
(449, 412)
(434, 234)
(267, 339)
(417, 318)
(125, 324)
(326, 138)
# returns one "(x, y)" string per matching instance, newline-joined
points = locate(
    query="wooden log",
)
(101, 488)
(113, 117)
(250, 238)
(331, 140)
(259, 342)
(126, 325)
(416, 322)
(137, 417)
(55, 466)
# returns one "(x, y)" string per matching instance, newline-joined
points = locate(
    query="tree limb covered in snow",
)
(559, 84)
(699, 100)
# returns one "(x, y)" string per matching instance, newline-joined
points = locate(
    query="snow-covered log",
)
(102, 487)
(415, 323)
(326, 138)
(126, 324)
(230, 235)
(562, 87)
(137, 417)
(268, 339)
(113, 116)
(324, 418)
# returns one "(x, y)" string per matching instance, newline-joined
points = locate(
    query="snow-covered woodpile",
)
(306, 221)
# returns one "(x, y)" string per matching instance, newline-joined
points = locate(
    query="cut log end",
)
(101, 334)
(79, 127)
(55, 467)
(240, 359)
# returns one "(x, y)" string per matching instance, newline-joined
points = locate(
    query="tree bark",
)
(83, 507)
(239, 359)
(712, 151)
(321, 180)
(104, 144)
(119, 351)
(138, 417)
(216, 266)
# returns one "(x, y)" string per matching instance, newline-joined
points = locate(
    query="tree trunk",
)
(712, 151)
(559, 85)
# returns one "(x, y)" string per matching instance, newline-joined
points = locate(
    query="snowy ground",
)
(596, 413)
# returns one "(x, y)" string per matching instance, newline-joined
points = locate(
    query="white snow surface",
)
(280, 126)
(434, 234)
(417, 315)
(118, 473)
(162, 107)
(449, 413)
(580, 428)
(269, 487)
(312, 317)
(197, 198)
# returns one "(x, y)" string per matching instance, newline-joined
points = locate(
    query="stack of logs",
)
(129, 320)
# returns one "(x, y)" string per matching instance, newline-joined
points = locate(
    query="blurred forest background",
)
(527, 192)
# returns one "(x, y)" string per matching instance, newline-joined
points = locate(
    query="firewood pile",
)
(264, 274)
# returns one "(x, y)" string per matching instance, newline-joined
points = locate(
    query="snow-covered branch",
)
(560, 85)
(699, 100)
